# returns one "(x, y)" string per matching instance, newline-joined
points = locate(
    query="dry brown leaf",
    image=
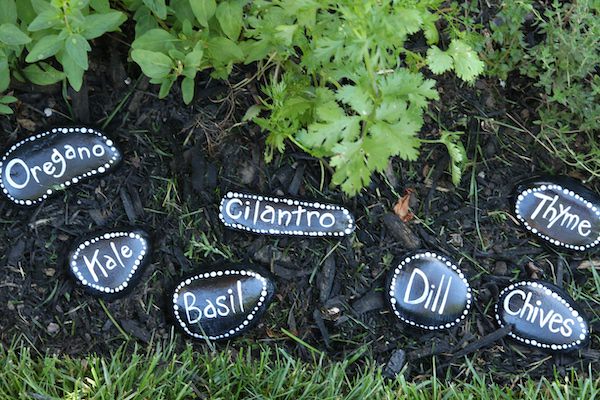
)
(402, 207)
(27, 124)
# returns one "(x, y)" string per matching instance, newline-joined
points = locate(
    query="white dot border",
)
(230, 195)
(562, 191)
(549, 292)
(100, 170)
(449, 265)
(108, 236)
(213, 274)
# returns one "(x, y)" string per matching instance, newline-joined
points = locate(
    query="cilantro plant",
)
(350, 88)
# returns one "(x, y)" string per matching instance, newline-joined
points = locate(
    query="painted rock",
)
(36, 167)
(278, 216)
(109, 264)
(428, 291)
(542, 316)
(222, 304)
(559, 210)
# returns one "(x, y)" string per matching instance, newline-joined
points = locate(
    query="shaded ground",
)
(180, 160)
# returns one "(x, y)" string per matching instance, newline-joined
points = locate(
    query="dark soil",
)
(180, 160)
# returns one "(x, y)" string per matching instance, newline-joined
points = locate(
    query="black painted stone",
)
(559, 210)
(109, 264)
(543, 316)
(36, 167)
(428, 291)
(279, 216)
(223, 303)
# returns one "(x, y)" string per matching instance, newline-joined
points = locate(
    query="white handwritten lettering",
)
(558, 213)
(213, 308)
(428, 292)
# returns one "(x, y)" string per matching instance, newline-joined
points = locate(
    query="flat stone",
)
(560, 211)
(280, 216)
(35, 168)
(428, 291)
(109, 264)
(222, 303)
(542, 315)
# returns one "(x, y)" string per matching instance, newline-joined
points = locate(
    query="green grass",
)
(257, 372)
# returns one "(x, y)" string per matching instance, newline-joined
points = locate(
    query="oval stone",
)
(223, 303)
(280, 216)
(428, 291)
(109, 264)
(34, 168)
(542, 315)
(559, 210)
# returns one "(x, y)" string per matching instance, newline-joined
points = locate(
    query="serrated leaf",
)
(252, 112)
(11, 35)
(98, 24)
(153, 64)
(356, 97)
(467, 64)
(46, 47)
(203, 10)
(77, 47)
(429, 27)
(438, 61)
(158, 7)
(458, 154)
(230, 16)
(43, 74)
(351, 172)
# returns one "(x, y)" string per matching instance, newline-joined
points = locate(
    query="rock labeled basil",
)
(109, 264)
(428, 291)
(279, 216)
(559, 210)
(38, 166)
(222, 303)
(542, 315)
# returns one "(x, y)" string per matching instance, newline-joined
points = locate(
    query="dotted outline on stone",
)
(350, 228)
(214, 274)
(449, 264)
(567, 192)
(102, 169)
(108, 236)
(549, 292)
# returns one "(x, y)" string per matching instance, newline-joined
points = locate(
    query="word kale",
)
(222, 303)
(428, 291)
(559, 210)
(542, 316)
(35, 168)
(278, 216)
(109, 264)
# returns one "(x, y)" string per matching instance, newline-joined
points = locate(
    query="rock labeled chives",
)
(35, 168)
(109, 264)
(543, 316)
(560, 211)
(280, 216)
(428, 291)
(223, 303)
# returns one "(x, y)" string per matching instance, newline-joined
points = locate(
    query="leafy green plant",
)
(180, 38)
(4, 102)
(351, 90)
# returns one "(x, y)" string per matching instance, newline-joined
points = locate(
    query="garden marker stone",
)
(542, 315)
(428, 291)
(108, 264)
(38, 166)
(222, 303)
(279, 216)
(559, 210)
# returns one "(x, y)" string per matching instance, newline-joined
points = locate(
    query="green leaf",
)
(45, 20)
(5, 110)
(77, 47)
(102, 6)
(157, 40)
(429, 28)
(158, 7)
(187, 89)
(72, 69)
(224, 50)
(153, 64)
(8, 12)
(192, 62)
(438, 61)
(467, 64)
(4, 74)
(458, 154)
(252, 112)
(165, 87)
(351, 172)
(7, 99)
(230, 17)
(12, 36)
(203, 10)
(41, 6)
(43, 74)
(46, 47)
(98, 24)
(356, 97)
